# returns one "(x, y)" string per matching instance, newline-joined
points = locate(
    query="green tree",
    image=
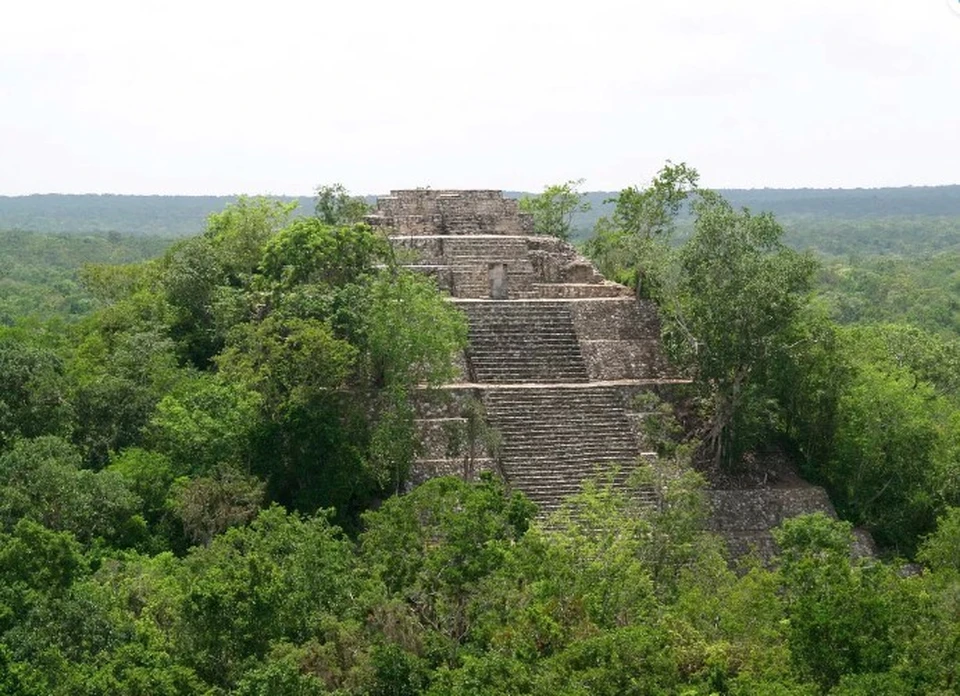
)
(737, 293)
(151, 476)
(335, 206)
(41, 479)
(239, 233)
(873, 414)
(209, 505)
(633, 245)
(939, 549)
(282, 578)
(554, 209)
(432, 549)
(651, 212)
(308, 251)
(345, 340)
(33, 392)
(204, 422)
(117, 375)
(288, 348)
(203, 278)
(840, 613)
(729, 298)
(35, 563)
(890, 458)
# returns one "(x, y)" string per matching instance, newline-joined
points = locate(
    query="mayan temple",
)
(556, 361)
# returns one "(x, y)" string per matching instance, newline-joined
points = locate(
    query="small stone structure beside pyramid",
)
(557, 364)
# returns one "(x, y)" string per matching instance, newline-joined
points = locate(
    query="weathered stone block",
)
(620, 359)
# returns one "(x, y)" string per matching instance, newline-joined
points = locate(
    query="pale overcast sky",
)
(216, 97)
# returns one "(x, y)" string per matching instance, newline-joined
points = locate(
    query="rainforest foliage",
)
(451, 590)
(39, 273)
(269, 359)
(198, 456)
(855, 378)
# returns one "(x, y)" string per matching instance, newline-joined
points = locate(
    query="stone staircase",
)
(516, 341)
(556, 437)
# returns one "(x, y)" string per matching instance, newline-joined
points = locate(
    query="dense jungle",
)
(206, 418)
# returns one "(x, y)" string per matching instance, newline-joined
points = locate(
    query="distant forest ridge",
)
(909, 201)
(177, 216)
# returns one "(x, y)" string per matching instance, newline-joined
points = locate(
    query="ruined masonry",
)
(557, 358)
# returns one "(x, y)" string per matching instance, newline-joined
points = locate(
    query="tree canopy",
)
(554, 210)
(197, 469)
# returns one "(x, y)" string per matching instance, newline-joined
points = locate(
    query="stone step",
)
(573, 406)
(599, 391)
(522, 325)
(555, 439)
(514, 308)
(534, 445)
(547, 500)
(565, 404)
(528, 332)
(529, 419)
(575, 476)
(568, 400)
(498, 341)
(549, 452)
(523, 342)
(553, 427)
(549, 421)
(532, 488)
(522, 360)
(567, 476)
(557, 461)
(548, 426)
(554, 490)
(491, 339)
(520, 321)
(520, 341)
(568, 450)
(520, 372)
(520, 366)
(520, 349)
(533, 375)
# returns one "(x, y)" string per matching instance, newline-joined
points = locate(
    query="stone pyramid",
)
(557, 354)
(552, 385)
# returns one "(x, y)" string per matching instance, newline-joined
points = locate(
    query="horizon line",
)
(503, 190)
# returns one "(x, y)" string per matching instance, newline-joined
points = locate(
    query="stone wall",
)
(620, 339)
(421, 212)
(449, 451)
(626, 319)
(745, 517)
(764, 508)
(614, 360)
(535, 267)
(446, 446)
